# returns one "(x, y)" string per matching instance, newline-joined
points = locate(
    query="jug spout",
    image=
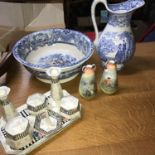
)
(117, 8)
(123, 7)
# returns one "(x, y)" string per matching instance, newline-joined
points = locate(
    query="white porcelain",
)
(56, 89)
(69, 103)
(42, 127)
(48, 124)
(8, 110)
(54, 72)
(36, 104)
(17, 131)
(69, 106)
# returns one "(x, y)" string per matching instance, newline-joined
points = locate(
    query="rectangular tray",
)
(36, 142)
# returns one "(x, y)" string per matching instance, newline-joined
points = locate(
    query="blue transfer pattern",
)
(120, 20)
(127, 6)
(117, 41)
(57, 60)
(33, 41)
(123, 50)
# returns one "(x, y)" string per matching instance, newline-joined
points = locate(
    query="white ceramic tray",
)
(38, 137)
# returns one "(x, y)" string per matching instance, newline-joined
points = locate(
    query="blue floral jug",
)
(116, 42)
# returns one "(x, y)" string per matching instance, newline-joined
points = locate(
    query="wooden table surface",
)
(121, 124)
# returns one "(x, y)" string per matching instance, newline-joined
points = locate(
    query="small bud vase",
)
(109, 82)
(87, 86)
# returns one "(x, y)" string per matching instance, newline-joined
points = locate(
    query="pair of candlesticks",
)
(108, 83)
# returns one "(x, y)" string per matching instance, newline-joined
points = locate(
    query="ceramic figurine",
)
(56, 89)
(109, 82)
(116, 41)
(36, 104)
(87, 86)
(8, 109)
(17, 132)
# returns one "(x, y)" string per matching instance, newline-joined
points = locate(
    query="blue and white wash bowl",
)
(116, 41)
(62, 48)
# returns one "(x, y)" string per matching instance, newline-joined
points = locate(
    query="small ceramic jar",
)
(69, 107)
(46, 123)
(36, 104)
(87, 86)
(17, 132)
(109, 80)
(8, 109)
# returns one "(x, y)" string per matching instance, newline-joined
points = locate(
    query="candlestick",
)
(8, 110)
(56, 89)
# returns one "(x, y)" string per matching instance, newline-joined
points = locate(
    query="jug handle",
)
(93, 6)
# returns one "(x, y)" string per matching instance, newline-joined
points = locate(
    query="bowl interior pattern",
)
(57, 55)
(53, 47)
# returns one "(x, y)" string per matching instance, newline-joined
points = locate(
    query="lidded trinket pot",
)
(69, 107)
(18, 133)
(36, 104)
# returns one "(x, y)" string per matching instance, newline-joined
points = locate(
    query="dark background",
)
(78, 15)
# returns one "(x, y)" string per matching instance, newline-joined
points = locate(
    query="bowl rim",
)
(33, 66)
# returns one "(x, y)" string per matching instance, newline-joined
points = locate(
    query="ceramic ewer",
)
(116, 41)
